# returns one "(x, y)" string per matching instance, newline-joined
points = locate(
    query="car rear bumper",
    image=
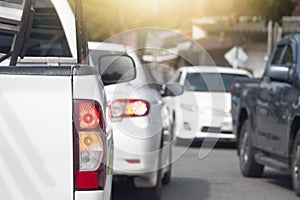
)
(215, 136)
(205, 126)
(136, 149)
(137, 166)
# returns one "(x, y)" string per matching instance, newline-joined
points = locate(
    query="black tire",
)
(167, 177)
(249, 167)
(296, 164)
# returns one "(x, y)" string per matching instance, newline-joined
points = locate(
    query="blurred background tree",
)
(108, 17)
(265, 9)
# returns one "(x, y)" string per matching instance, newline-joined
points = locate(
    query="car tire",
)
(168, 175)
(249, 167)
(296, 164)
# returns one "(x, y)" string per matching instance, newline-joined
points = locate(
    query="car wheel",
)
(249, 167)
(168, 176)
(296, 164)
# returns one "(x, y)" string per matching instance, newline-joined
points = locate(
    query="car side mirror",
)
(281, 73)
(116, 69)
(172, 89)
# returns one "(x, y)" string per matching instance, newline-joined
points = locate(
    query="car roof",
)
(104, 46)
(213, 69)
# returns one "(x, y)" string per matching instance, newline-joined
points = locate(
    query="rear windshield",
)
(210, 82)
(47, 37)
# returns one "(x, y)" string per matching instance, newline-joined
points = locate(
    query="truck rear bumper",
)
(90, 195)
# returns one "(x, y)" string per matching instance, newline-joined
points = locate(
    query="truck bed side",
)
(36, 133)
(243, 98)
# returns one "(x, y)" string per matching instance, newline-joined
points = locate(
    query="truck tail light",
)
(89, 145)
(129, 108)
(88, 116)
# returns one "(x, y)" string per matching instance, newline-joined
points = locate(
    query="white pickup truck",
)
(56, 139)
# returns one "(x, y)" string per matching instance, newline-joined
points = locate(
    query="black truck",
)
(266, 114)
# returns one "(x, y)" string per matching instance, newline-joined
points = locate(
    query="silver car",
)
(141, 123)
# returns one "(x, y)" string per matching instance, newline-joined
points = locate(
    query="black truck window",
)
(6, 40)
(47, 36)
(288, 58)
(277, 56)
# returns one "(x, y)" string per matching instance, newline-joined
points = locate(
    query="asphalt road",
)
(215, 177)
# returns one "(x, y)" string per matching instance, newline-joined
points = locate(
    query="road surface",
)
(216, 177)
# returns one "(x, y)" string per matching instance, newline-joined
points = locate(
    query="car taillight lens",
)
(91, 151)
(89, 145)
(129, 108)
(88, 116)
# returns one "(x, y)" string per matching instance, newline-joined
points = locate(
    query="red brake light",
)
(87, 180)
(89, 145)
(88, 116)
(129, 108)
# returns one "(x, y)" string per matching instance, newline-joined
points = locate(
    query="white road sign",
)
(236, 57)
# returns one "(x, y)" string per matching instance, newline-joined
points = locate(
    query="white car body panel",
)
(37, 121)
(36, 137)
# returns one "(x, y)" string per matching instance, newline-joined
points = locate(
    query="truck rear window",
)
(6, 40)
(47, 38)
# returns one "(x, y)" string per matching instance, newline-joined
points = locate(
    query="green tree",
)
(105, 18)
